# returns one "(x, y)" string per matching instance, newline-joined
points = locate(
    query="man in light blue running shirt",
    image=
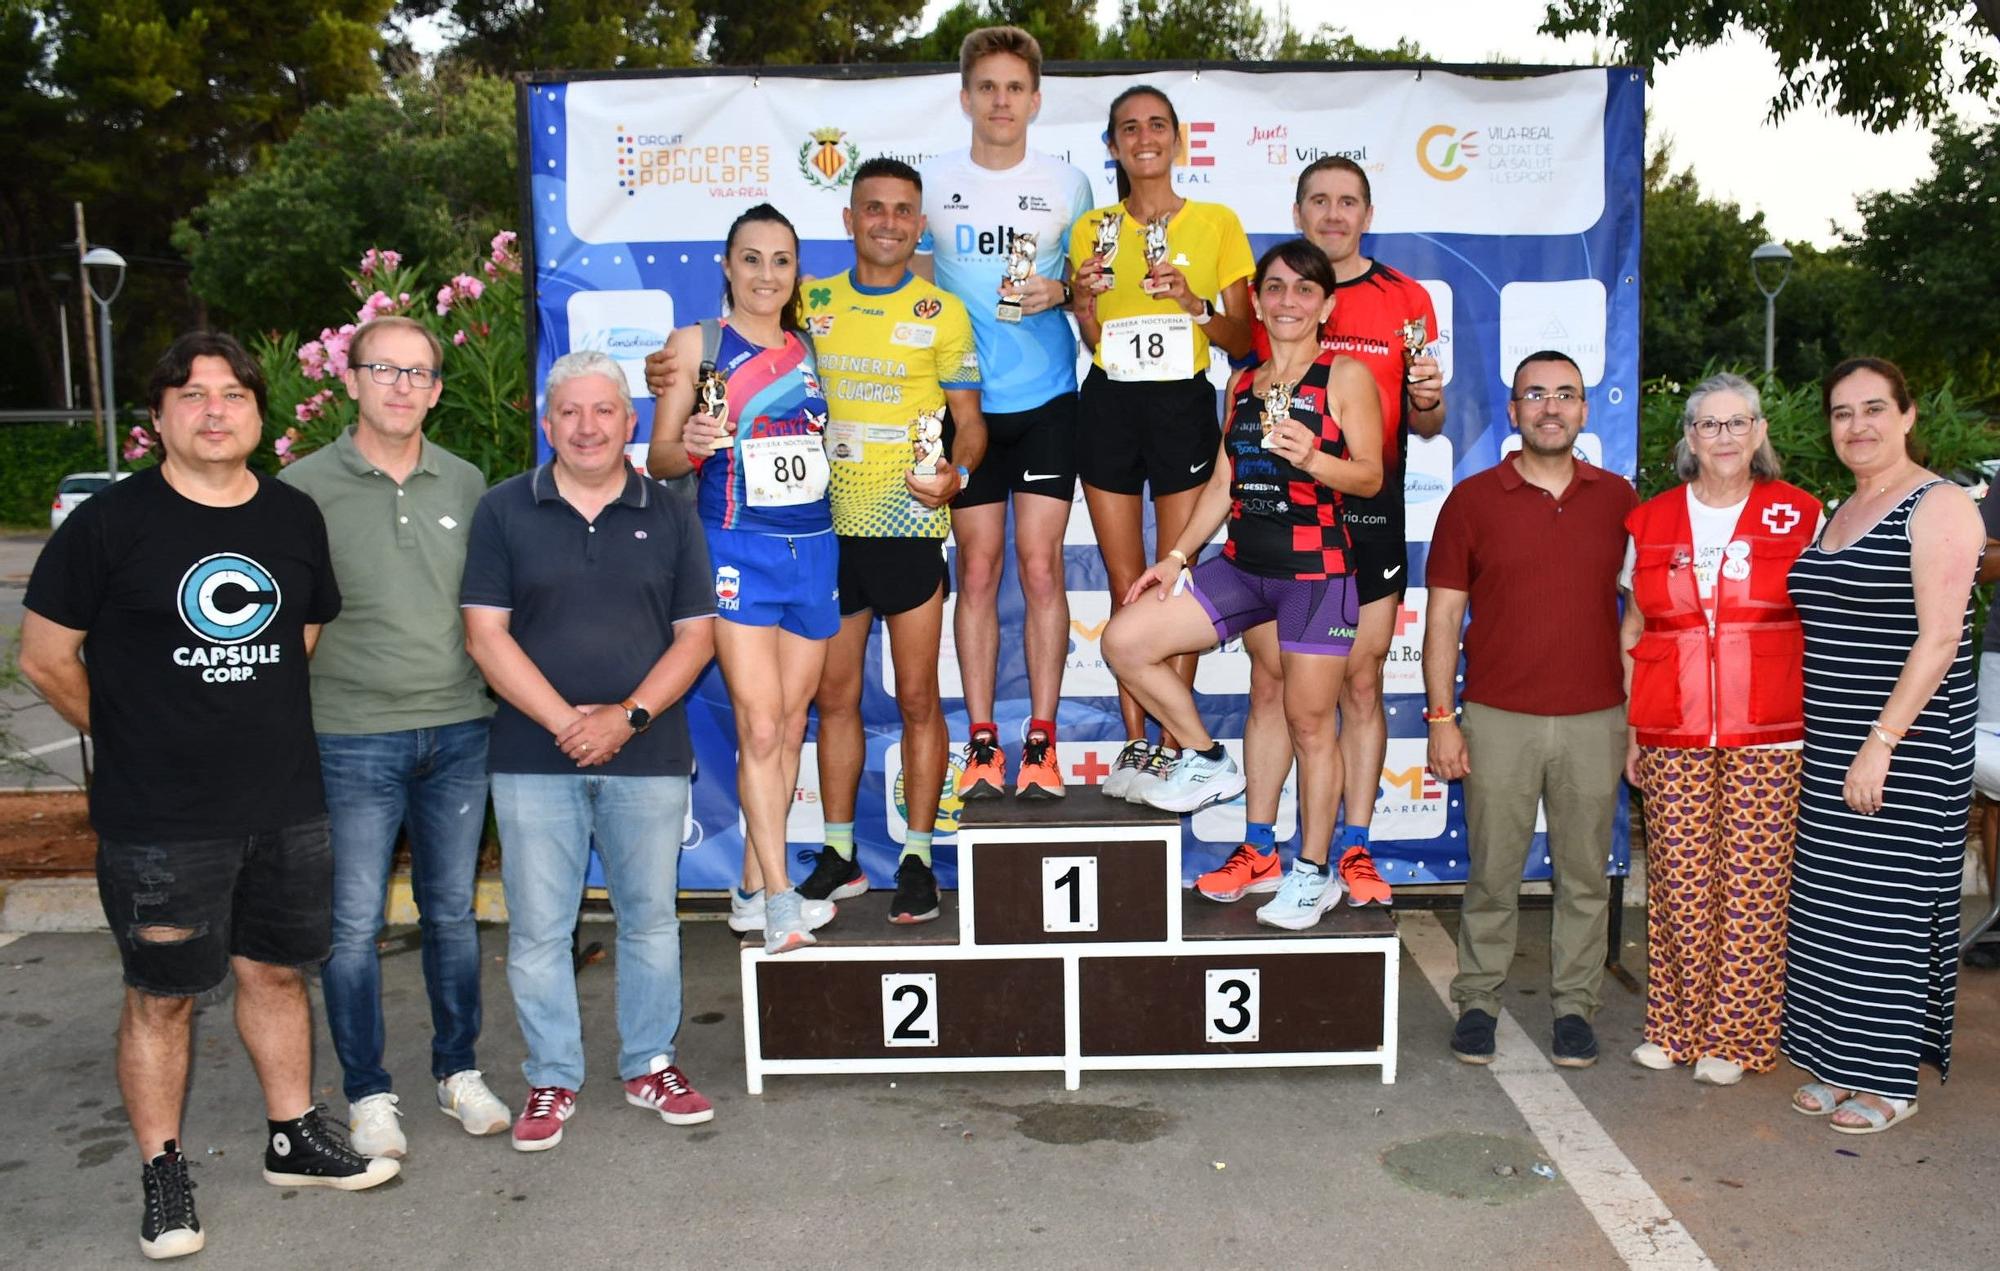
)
(978, 201)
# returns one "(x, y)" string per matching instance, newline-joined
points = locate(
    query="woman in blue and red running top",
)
(763, 504)
(1304, 428)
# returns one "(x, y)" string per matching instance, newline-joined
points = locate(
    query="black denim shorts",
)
(181, 910)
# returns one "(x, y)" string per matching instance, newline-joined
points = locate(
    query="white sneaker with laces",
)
(1158, 764)
(1305, 894)
(372, 1128)
(463, 1096)
(748, 915)
(1131, 761)
(1194, 782)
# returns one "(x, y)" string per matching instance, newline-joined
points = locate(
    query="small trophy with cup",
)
(1105, 248)
(1155, 247)
(927, 442)
(711, 394)
(1020, 268)
(1415, 337)
(1277, 408)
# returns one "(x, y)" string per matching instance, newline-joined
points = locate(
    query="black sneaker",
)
(1472, 1040)
(833, 877)
(170, 1229)
(1575, 1045)
(310, 1152)
(916, 892)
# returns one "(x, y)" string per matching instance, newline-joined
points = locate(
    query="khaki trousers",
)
(1570, 764)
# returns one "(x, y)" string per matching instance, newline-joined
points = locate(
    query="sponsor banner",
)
(1440, 348)
(1427, 469)
(806, 821)
(628, 325)
(950, 684)
(896, 804)
(1565, 316)
(1085, 672)
(1403, 669)
(1411, 803)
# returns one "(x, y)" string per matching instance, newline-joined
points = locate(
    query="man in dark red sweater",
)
(1533, 546)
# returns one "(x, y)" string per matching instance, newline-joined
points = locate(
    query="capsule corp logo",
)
(728, 586)
(228, 600)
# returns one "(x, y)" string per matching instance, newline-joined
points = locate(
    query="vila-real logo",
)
(1442, 151)
(827, 160)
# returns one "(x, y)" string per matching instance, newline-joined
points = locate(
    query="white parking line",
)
(1630, 1213)
(49, 749)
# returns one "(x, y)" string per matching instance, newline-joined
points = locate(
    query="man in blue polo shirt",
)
(588, 606)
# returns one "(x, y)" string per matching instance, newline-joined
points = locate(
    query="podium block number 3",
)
(909, 1010)
(1232, 1009)
(1069, 893)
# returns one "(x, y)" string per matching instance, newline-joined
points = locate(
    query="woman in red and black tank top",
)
(1304, 428)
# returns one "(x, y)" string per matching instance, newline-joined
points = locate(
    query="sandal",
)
(1824, 1095)
(1878, 1120)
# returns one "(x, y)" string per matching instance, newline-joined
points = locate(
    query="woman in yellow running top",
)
(1158, 280)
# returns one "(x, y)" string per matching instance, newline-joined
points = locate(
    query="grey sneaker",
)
(748, 915)
(372, 1128)
(1129, 763)
(784, 924)
(1158, 765)
(465, 1098)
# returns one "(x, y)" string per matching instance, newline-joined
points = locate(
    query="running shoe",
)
(834, 877)
(748, 915)
(665, 1090)
(1247, 870)
(916, 893)
(784, 925)
(1357, 874)
(464, 1098)
(372, 1128)
(1040, 776)
(1130, 762)
(985, 775)
(1306, 894)
(1158, 765)
(1194, 782)
(170, 1228)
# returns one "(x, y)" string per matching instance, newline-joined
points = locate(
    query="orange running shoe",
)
(1357, 874)
(985, 775)
(1040, 776)
(1247, 870)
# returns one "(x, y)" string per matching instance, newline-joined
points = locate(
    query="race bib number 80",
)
(782, 472)
(1153, 347)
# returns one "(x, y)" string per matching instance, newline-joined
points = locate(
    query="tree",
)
(1881, 64)
(837, 32)
(1066, 29)
(500, 38)
(1929, 253)
(276, 242)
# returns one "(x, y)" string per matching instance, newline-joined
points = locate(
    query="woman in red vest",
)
(1713, 652)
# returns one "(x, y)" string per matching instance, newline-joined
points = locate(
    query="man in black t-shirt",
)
(171, 617)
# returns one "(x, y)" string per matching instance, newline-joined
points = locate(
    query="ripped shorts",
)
(181, 910)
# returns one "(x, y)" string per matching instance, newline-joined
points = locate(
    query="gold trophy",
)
(1105, 248)
(1414, 339)
(927, 442)
(1020, 268)
(712, 399)
(1277, 408)
(1155, 248)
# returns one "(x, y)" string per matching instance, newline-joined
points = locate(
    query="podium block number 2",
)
(1069, 893)
(1232, 1008)
(909, 1010)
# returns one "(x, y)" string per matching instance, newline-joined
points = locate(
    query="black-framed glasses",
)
(1736, 424)
(385, 374)
(1563, 395)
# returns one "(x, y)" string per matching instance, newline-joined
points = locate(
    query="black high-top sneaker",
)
(311, 1152)
(170, 1229)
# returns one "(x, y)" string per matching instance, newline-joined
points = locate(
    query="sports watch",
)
(636, 715)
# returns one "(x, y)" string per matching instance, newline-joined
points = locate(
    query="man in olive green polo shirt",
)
(402, 717)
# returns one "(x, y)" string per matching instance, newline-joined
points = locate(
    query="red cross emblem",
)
(1779, 518)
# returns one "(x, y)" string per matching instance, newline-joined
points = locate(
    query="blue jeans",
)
(432, 780)
(547, 822)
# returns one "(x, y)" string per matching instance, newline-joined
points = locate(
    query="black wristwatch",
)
(1069, 294)
(636, 715)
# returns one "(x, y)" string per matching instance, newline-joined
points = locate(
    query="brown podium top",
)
(1081, 807)
(1203, 919)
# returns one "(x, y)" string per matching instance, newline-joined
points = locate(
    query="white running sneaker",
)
(1305, 894)
(1129, 763)
(1194, 782)
(372, 1128)
(1652, 1055)
(463, 1096)
(748, 915)
(1158, 764)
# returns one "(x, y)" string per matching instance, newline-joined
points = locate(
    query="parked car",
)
(74, 489)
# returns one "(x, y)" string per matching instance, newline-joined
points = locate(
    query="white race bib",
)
(1157, 346)
(782, 472)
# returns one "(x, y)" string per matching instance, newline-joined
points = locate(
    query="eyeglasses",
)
(385, 374)
(1736, 424)
(1562, 395)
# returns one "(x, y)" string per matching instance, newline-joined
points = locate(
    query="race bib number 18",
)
(782, 472)
(1153, 347)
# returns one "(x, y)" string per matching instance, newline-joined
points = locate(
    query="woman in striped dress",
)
(1889, 706)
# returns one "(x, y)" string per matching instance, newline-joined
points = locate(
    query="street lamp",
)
(60, 279)
(103, 262)
(1776, 256)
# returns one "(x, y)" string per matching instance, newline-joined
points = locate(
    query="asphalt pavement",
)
(41, 749)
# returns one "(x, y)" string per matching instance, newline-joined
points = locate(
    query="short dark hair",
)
(1302, 257)
(1333, 163)
(1545, 355)
(176, 366)
(883, 166)
(988, 40)
(1899, 388)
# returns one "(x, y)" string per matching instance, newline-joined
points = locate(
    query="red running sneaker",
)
(1357, 874)
(540, 1125)
(1040, 776)
(985, 775)
(1247, 870)
(666, 1091)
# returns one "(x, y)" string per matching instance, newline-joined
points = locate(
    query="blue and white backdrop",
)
(1515, 201)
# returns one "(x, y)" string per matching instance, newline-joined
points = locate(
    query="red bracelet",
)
(1445, 716)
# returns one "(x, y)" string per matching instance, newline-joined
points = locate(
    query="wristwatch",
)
(636, 715)
(1207, 312)
(1069, 294)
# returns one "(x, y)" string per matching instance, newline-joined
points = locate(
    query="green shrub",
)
(34, 458)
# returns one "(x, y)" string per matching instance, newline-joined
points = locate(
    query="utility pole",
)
(89, 329)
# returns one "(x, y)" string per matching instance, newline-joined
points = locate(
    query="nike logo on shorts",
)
(1391, 572)
(1194, 468)
(1040, 476)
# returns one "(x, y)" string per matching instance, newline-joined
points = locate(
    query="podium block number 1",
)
(1232, 1009)
(909, 1010)
(1069, 893)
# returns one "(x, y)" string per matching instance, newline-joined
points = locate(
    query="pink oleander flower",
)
(313, 407)
(375, 258)
(336, 347)
(458, 339)
(468, 287)
(503, 247)
(446, 297)
(312, 360)
(139, 445)
(283, 445)
(375, 306)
